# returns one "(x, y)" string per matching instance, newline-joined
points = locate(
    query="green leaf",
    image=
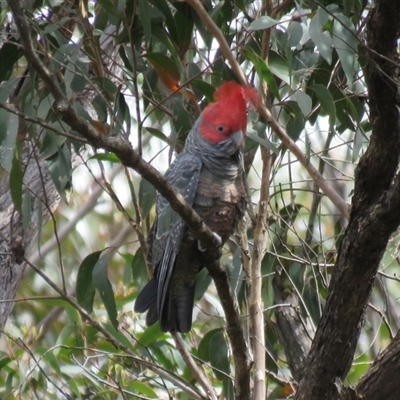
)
(157, 133)
(264, 22)
(204, 345)
(280, 68)
(346, 45)
(103, 285)
(118, 335)
(262, 70)
(110, 157)
(144, 16)
(60, 169)
(206, 89)
(6, 88)
(295, 33)
(264, 142)
(138, 265)
(16, 180)
(109, 6)
(10, 53)
(147, 197)
(304, 101)
(85, 288)
(143, 389)
(219, 355)
(326, 100)
(164, 7)
(321, 38)
(149, 336)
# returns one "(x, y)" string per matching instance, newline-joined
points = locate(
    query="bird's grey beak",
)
(238, 138)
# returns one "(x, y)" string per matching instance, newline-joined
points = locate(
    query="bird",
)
(209, 174)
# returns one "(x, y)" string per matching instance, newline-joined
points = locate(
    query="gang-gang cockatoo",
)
(209, 174)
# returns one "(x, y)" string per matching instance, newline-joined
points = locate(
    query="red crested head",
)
(228, 114)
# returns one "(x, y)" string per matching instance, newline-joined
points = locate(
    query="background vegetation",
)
(93, 94)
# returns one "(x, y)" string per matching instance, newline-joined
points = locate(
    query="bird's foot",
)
(217, 237)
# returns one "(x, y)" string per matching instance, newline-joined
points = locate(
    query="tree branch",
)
(194, 369)
(381, 380)
(374, 217)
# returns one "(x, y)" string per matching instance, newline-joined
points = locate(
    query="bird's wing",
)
(184, 175)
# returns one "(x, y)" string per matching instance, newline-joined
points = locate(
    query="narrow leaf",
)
(147, 197)
(85, 288)
(144, 16)
(326, 100)
(103, 285)
(157, 133)
(321, 38)
(110, 157)
(346, 45)
(264, 142)
(262, 70)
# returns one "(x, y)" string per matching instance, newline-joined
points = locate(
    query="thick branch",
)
(381, 382)
(375, 215)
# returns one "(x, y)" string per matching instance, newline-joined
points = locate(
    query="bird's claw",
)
(217, 237)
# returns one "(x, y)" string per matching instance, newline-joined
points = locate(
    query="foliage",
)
(148, 88)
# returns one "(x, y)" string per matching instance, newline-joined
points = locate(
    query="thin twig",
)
(198, 375)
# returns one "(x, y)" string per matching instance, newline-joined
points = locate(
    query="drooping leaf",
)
(304, 102)
(264, 142)
(346, 45)
(10, 53)
(319, 36)
(294, 34)
(326, 100)
(103, 285)
(85, 289)
(262, 70)
(157, 133)
(147, 197)
(219, 355)
(144, 15)
(204, 349)
(280, 67)
(138, 268)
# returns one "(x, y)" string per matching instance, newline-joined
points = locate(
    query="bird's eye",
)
(220, 128)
